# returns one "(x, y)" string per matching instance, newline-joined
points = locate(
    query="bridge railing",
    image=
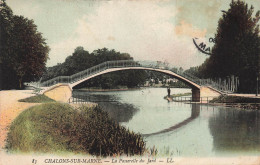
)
(90, 71)
(128, 63)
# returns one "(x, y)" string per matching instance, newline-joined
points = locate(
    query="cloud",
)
(27, 9)
(187, 29)
(111, 38)
(144, 29)
(200, 13)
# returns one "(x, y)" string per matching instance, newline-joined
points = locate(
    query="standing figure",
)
(169, 92)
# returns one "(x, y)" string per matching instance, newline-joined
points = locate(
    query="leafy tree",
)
(6, 16)
(30, 52)
(237, 46)
(193, 71)
(178, 84)
(24, 52)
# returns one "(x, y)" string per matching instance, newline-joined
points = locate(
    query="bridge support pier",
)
(59, 92)
(195, 95)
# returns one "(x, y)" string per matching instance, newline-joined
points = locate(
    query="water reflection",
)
(195, 112)
(93, 97)
(235, 130)
(119, 112)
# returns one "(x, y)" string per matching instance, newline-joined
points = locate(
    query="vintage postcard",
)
(129, 82)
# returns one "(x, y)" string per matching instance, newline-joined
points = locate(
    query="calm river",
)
(178, 129)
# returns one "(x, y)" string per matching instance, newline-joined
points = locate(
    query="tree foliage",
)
(194, 71)
(24, 51)
(82, 59)
(237, 47)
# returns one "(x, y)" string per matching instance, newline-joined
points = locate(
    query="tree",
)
(24, 50)
(193, 71)
(30, 51)
(6, 15)
(237, 46)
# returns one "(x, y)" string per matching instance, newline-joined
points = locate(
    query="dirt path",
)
(10, 108)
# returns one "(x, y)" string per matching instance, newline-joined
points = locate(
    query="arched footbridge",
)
(60, 88)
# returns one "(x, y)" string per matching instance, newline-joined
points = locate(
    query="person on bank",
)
(169, 92)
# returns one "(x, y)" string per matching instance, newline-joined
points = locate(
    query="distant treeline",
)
(164, 79)
(82, 59)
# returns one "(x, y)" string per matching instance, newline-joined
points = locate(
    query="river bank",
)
(56, 128)
(238, 101)
(247, 101)
(27, 127)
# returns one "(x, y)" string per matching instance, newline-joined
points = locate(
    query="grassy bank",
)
(238, 102)
(234, 99)
(58, 128)
(37, 99)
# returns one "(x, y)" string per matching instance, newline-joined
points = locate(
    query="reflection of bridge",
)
(60, 88)
(195, 112)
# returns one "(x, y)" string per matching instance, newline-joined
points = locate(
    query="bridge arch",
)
(167, 72)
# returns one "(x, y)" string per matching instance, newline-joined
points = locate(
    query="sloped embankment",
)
(57, 127)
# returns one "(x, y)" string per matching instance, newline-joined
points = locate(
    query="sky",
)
(155, 30)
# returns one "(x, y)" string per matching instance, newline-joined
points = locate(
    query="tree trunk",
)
(20, 83)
